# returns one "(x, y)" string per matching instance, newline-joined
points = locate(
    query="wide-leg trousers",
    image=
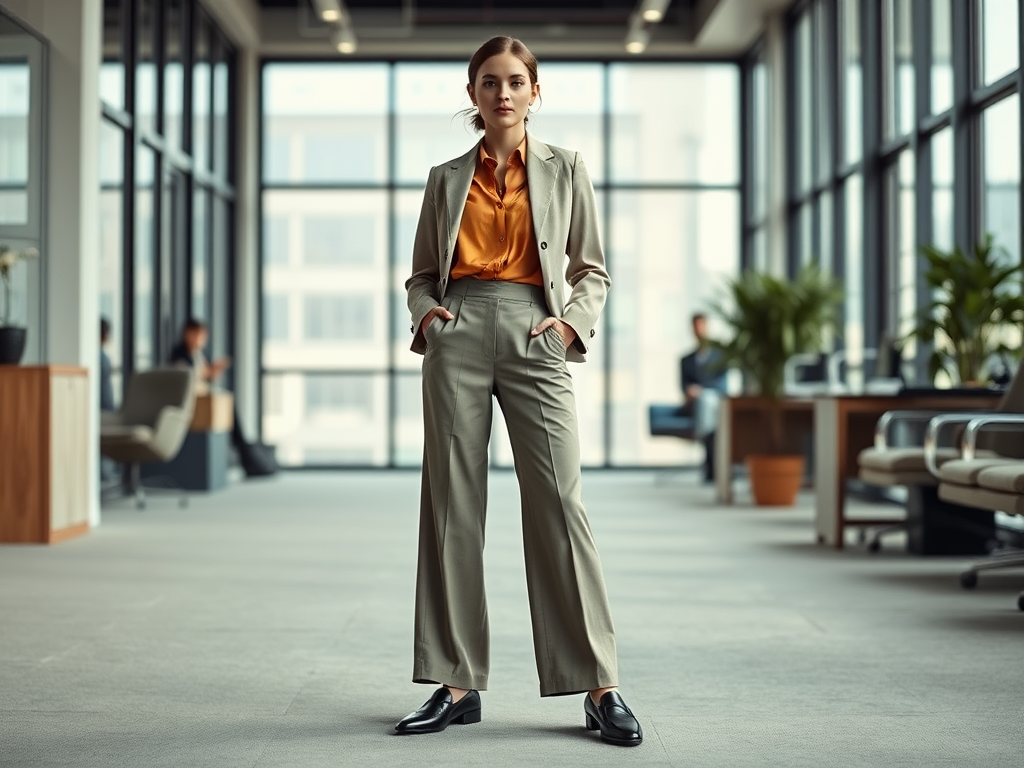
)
(484, 354)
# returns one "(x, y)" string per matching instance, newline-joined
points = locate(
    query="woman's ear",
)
(469, 90)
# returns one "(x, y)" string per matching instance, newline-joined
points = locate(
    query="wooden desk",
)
(844, 425)
(44, 453)
(743, 430)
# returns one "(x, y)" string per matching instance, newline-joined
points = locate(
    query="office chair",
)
(151, 426)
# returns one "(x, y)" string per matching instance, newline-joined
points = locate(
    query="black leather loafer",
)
(439, 712)
(613, 718)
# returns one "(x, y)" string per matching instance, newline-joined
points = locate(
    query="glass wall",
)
(346, 150)
(166, 185)
(929, 124)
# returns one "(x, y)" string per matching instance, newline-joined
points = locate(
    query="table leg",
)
(829, 473)
(723, 454)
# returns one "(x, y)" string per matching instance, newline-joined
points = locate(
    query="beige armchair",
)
(917, 467)
(151, 425)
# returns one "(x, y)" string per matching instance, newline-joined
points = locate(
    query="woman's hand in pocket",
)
(564, 330)
(437, 311)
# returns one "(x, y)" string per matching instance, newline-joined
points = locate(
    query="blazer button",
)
(412, 329)
(591, 333)
(552, 284)
(543, 246)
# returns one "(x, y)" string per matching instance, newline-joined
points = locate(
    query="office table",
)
(844, 425)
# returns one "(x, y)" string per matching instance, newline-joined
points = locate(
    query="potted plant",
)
(12, 338)
(976, 298)
(772, 319)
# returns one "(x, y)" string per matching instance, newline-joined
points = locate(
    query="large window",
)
(166, 187)
(346, 151)
(929, 119)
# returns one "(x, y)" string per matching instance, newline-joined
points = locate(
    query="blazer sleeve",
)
(585, 271)
(422, 286)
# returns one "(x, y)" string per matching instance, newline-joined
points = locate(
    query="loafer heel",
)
(613, 719)
(473, 716)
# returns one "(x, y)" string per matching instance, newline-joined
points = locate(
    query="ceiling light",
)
(637, 40)
(328, 10)
(638, 36)
(653, 11)
(344, 39)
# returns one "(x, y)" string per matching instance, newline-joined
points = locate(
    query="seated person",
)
(703, 383)
(189, 352)
(106, 369)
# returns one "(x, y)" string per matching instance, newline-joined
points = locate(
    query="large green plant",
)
(976, 298)
(771, 319)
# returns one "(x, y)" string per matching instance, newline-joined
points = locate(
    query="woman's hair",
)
(494, 47)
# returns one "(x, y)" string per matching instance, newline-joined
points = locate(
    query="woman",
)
(497, 228)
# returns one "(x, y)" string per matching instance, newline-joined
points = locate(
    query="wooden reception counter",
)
(44, 453)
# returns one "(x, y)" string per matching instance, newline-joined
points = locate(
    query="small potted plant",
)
(976, 298)
(12, 338)
(771, 320)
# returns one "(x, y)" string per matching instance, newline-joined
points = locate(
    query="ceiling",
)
(552, 28)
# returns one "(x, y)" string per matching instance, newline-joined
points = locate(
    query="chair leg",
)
(1005, 558)
(132, 486)
(875, 542)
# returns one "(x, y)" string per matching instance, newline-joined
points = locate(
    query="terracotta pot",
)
(775, 480)
(12, 344)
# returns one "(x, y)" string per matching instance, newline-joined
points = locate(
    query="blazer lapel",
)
(457, 180)
(541, 174)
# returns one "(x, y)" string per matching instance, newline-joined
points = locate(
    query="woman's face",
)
(503, 91)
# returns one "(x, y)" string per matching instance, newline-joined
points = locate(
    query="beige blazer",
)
(564, 221)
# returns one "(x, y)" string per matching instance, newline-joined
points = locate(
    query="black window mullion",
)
(965, 184)
(128, 151)
(390, 330)
(923, 191)
(874, 275)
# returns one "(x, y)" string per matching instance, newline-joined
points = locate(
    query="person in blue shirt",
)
(704, 383)
(106, 369)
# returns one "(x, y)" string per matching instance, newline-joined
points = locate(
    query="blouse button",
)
(543, 246)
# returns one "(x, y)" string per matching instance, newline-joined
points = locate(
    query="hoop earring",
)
(535, 111)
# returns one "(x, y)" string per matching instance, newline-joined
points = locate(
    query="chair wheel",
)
(875, 546)
(968, 579)
(140, 505)
(1020, 601)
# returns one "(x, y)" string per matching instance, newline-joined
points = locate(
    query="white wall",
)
(71, 198)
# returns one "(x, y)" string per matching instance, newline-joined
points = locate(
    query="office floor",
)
(270, 626)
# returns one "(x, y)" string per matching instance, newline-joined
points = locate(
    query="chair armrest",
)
(931, 436)
(996, 422)
(890, 419)
(171, 428)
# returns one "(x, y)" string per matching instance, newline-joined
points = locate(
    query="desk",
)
(742, 431)
(844, 425)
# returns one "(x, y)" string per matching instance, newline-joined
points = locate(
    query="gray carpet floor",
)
(270, 626)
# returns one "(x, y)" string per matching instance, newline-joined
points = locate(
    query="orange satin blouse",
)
(496, 239)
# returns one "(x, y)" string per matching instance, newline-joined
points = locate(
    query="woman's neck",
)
(501, 144)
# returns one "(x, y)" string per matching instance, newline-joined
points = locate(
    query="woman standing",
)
(498, 228)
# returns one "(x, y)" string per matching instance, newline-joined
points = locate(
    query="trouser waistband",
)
(496, 289)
